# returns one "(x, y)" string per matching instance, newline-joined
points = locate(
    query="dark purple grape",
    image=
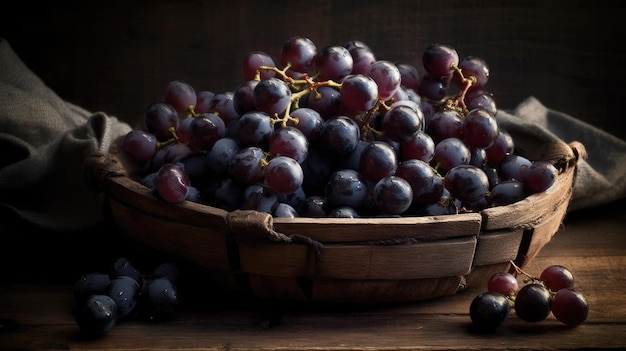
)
(472, 66)
(181, 96)
(272, 96)
(172, 183)
(362, 59)
(438, 59)
(170, 153)
(501, 147)
(251, 63)
(140, 145)
(514, 167)
(433, 87)
(392, 195)
(259, 198)
(299, 53)
(90, 284)
(409, 76)
(425, 184)
(467, 183)
(445, 124)
(506, 192)
(343, 212)
(325, 100)
(378, 160)
(317, 167)
(314, 206)
(570, 307)
(480, 99)
(245, 166)
(204, 99)
(557, 277)
(540, 176)
(169, 270)
(401, 123)
(253, 129)
(309, 123)
(449, 153)
(386, 76)
(480, 129)
(358, 93)
(289, 141)
(224, 193)
(96, 316)
(489, 310)
(284, 210)
(122, 266)
(162, 120)
(205, 130)
(124, 290)
(222, 151)
(533, 302)
(339, 136)
(420, 147)
(504, 283)
(243, 97)
(346, 187)
(334, 63)
(159, 299)
(283, 175)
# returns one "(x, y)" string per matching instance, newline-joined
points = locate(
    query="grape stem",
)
(460, 99)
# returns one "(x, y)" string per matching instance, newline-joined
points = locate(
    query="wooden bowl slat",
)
(497, 246)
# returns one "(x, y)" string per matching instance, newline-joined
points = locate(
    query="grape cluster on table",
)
(337, 132)
(123, 292)
(553, 291)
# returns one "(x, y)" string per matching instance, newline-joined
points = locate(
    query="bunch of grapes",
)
(337, 132)
(552, 292)
(105, 298)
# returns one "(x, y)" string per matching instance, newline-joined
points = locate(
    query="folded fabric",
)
(46, 140)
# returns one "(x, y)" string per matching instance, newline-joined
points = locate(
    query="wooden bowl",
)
(365, 260)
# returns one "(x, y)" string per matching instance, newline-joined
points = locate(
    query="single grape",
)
(433, 87)
(479, 98)
(339, 136)
(343, 212)
(557, 277)
(122, 266)
(358, 93)
(362, 58)
(284, 210)
(420, 147)
(504, 283)
(392, 195)
(480, 129)
(220, 155)
(540, 176)
(346, 187)
(159, 299)
(259, 198)
(96, 316)
(445, 124)
(271, 96)
(438, 59)
(426, 185)
(489, 310)
(314, 206)
(533, 302)
(514, 167)
(90, 284)
(170, 153)
(449, 153)
(283, 175)
(325, 100)
(124, 290)
(409, 76)
(472, 66)
(243, 97)
(378, 160)
(299, 53)
(506, 192)
(172, 183)
(309, 122)
(253, 129)
(204, 99)
(251, 63)
(140, 145)
(224, 192)
(570, 307)
(386, 76)
(181, 96)
(334, 63)
(205, 130)
(223, 105)
(501, 147)
(401, 122)
(161, 119)
(289, 141)
(245, 166)
(467, 183)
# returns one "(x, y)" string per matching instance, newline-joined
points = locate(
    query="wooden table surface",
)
(37, 314)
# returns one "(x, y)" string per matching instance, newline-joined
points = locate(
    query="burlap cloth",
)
(45, 140)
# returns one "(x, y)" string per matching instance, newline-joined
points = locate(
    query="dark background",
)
(117, 56)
